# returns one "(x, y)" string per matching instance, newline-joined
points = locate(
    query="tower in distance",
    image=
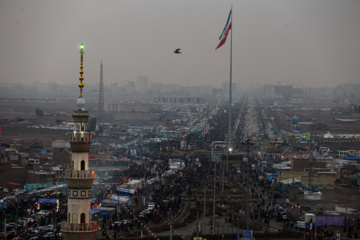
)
(79, 178)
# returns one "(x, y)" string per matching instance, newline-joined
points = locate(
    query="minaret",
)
(101, 96)
(79, 178)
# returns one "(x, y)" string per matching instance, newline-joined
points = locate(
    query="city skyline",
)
(278, 42)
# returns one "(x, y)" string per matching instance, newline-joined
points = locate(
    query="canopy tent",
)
(48, 200)
(93, 211)
(105, 211)
(121, 199)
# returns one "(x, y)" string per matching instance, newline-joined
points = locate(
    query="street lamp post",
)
(213, 227)
(227, 164)
(223, 178)
(227, 160)
(171, 231)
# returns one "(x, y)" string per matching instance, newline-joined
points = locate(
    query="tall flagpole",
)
(230, 82)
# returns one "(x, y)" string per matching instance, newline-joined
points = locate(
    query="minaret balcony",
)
(82, 228)
(80, 137)
(79, 174)
(80, 142)
(79, 178)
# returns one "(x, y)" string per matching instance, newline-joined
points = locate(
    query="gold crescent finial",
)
(81, 78)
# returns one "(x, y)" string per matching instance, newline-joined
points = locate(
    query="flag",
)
(311, 226)
(225, 32)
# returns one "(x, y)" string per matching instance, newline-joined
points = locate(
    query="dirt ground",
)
(322, 122)
(340, 196)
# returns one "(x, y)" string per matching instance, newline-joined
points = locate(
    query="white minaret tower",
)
(79, 178)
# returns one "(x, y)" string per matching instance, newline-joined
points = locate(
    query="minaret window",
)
(82, 218)
(82, 165)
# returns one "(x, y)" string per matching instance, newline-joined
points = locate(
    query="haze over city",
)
(302, 43)
(134, 120)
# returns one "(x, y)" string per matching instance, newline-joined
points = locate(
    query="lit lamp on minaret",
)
(79, 178)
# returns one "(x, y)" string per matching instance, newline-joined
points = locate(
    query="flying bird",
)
(177, 51)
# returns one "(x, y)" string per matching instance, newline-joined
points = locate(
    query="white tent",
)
(328, 135)
(290, 181)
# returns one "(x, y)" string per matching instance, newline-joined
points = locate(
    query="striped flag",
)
(226, 30)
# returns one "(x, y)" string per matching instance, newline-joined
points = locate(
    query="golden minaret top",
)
(81, 78)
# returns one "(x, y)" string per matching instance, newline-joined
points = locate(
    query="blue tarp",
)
(48, 200)
(352, 158)
(92, 211)
(123, 193)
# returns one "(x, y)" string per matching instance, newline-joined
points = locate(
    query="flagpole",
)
(230, 82)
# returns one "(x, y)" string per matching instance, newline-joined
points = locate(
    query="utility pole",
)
(197, 223)
(170, 230)
(203, 222)
(247, 193)
(247, 143)
(311, 187)
(213, 227)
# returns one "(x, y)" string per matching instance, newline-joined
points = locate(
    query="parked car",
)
(300, 224)
(49, 235)
(40, 229)
(284, 216)
(149, 182)
(280, 209)
(6, 190)
(115, 224)
(18, 192)
(151, 205)
(155, 180)
(49, 228)
(147, 211)
(29, 220)
(11, 225)
(142, 214)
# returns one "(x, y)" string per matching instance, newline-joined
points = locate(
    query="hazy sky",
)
(298, 42)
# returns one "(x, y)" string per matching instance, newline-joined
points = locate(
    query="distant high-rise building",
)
(79, 178)
(101, 96)
(142, 84)
(271, 91)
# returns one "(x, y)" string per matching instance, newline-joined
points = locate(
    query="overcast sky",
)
(295, 42)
